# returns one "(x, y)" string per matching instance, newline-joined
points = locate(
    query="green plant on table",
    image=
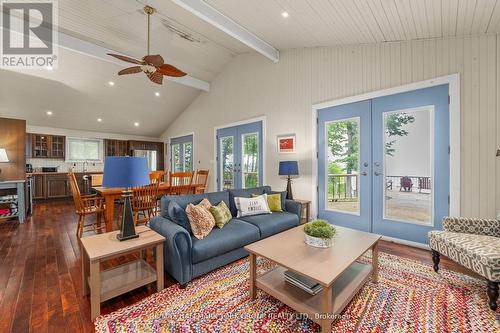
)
(320, 229)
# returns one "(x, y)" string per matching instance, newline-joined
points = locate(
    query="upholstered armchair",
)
(473, 243)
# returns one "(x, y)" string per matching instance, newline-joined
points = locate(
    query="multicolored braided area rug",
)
(410, 297)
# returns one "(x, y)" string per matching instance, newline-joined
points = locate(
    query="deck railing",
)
(344, 187)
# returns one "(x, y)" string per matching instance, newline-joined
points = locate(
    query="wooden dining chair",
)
(144, 202)
(200, 181)
(86, 205)
(156, 176)
(180, 183)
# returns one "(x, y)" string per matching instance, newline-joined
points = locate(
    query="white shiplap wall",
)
(251, 86)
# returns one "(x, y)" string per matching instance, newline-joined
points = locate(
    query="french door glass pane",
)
(176, 158)
(408, 142)
(227, 162)
(188, 156)
(342, 181)
(250, 160)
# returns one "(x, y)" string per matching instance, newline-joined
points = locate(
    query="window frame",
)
(100, 142)
(181, 141)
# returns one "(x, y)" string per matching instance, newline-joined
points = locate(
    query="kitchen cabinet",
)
(39, 186)
(57, 186)
(116, 148)
(48, 146)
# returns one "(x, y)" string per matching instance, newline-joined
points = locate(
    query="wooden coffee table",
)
(334, 268)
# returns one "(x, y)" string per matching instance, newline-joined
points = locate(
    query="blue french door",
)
(384, 163)
(239, 156)
(344, 185)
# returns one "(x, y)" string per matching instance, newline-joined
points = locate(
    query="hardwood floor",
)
(40, 276)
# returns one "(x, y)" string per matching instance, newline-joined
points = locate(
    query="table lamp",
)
(126, 172)
(3, 156)
(289, 168)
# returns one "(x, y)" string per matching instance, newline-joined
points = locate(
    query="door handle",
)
(376, 173)
(364, 173)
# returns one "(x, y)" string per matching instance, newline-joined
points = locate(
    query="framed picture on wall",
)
(286, 143)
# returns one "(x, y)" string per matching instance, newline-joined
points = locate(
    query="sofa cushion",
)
(477, 252)
(177, 214)
(244, 193)
(184, 200)
(221, 214)
(234, 235)
(272, 224)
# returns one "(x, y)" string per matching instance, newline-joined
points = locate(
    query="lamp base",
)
(128, 228)
(123, 238)
(289, 194)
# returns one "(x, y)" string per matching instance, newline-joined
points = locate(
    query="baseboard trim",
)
(406, 242)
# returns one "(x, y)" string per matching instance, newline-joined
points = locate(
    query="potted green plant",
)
(319, 233)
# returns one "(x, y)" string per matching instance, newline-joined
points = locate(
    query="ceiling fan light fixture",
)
(151, 65)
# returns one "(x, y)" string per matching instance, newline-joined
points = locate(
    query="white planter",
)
(318, 242)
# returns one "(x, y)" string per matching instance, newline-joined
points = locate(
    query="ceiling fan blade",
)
(170, 70)
(155, 77)
(127, 59)
(154, 60)
(130, 70)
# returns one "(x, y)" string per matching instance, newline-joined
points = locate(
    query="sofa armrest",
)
(294, 207)
(472, 226)
(177, 248)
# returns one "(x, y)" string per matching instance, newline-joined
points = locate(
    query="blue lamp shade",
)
(125, 172)
(289, 168)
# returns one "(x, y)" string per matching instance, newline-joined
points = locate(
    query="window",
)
(80, 150)
(181, 154)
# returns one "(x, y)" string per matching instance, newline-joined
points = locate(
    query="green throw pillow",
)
(273, 201)
(221, 214)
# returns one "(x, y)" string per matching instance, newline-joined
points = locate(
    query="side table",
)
(306, 206)
(103, 285)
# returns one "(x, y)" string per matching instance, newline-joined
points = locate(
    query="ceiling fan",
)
(152, 65)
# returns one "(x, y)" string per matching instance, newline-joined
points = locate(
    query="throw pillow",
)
(283, 198)
(273, 201)
(221, 213)
(200, 218)
(252, 206)
(178, 215)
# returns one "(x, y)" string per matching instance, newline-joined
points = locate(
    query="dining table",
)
(111, 194)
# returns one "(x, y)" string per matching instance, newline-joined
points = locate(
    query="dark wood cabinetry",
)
(116, 148)
(39, 186)
(57, 186)
(47, 146)
(159, 147)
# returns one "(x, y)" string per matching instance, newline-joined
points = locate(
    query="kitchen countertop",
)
(63, 173)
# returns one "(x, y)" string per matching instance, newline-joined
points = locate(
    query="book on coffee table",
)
(302, 282)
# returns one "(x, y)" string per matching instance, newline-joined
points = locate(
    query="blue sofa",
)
(187, 257)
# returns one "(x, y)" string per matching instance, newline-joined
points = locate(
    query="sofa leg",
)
(183, 286)
(492, 294)
(435, 260)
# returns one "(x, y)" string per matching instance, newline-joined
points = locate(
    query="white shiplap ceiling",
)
(77, 90)
(336, 22)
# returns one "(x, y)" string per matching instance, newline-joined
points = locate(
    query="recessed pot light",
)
(99, 119)
(157, 94)
(111, 83)
(136, 124)
(49, 113)
(284, 14)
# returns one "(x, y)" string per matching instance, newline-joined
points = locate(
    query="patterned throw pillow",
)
(273, 201)
(221, 214)
(252, 206)
(200, 218)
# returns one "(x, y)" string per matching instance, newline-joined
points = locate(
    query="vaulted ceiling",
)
(78, 92)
